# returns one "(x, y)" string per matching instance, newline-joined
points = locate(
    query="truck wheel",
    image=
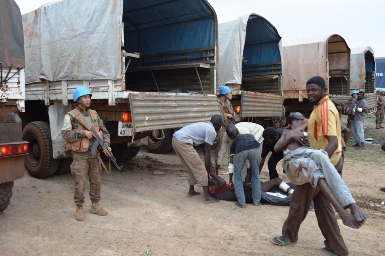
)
(5, 195)
(39, 162)
(121, 152)
(64, 166)
(160, 146)
(132, 152)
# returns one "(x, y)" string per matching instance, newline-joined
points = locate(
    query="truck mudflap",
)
(256, 104)
(156, 111)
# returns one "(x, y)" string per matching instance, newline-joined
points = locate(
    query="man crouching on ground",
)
(183, 143)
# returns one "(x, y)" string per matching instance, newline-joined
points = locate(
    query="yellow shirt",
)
(325, 121)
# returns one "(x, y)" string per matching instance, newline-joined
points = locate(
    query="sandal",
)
(277, 241)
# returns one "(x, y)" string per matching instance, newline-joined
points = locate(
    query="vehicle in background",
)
(362, 76)
(250, 64)
(151, 68)
(380, 72)
(13, 149)
(326, 56)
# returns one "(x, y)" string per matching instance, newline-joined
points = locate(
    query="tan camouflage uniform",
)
(83, 162)
(380, 110)
(224, 108)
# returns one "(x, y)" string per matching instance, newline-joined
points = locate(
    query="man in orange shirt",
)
(324, 132)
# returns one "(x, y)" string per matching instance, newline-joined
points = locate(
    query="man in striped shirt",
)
(324, 131)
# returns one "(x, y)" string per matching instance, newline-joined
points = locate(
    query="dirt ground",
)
(149, 214)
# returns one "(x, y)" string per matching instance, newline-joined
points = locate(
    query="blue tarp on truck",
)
(380, 72)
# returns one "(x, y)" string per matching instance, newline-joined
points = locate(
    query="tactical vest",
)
(83, 144)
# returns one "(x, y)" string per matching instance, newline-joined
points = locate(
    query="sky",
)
(359, 22)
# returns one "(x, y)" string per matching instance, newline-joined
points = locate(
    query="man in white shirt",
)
(183, 142)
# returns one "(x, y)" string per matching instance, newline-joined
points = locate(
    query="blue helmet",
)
(224, 89)
(81, 91)
(354, 92)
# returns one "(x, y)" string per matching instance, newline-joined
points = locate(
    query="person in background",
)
(183, 142)
(352, 100)
(270, 137)
(79, 141)
(226, 110)
(380, 110)
(357, 127)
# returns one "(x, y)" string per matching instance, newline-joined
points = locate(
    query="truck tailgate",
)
(153, 111)
(256, 104)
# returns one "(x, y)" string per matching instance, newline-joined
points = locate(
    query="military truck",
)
(250, 64)
(150, 66)
(362, 76)
(13, 149)
(325, 56)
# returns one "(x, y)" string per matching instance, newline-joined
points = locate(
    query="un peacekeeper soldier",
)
(79, 141)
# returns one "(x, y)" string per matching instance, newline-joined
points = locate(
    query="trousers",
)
(300, 202)
(84, 164)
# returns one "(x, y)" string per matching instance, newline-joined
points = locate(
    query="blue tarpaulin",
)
(158, 26)
(246, 41)
(380, 72)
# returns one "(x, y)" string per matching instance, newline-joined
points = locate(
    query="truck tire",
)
(5, 195)
(39, 162)
(132, 152)
(160, 146)
(64, 166)
(121, 152)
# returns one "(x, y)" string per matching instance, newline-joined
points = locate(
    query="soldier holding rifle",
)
(80, 140)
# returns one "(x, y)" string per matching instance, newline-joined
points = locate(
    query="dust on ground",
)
(150, 214)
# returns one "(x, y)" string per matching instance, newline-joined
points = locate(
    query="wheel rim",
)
(34, 153)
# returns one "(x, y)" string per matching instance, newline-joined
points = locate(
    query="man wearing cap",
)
(358, 122)
(226, 110)
(79, 141)
(380, 110)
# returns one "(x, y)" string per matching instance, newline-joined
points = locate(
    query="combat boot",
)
(96, 209)
(79, 215)
(378, 126)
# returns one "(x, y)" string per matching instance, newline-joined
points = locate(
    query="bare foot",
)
(359, 214)
(350, 221)
(382, 189)
(211, 200)
(193, 193)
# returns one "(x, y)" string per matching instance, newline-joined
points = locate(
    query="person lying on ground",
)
(221, 190)
(303, 164)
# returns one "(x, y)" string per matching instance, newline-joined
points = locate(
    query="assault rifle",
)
(99, 142)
